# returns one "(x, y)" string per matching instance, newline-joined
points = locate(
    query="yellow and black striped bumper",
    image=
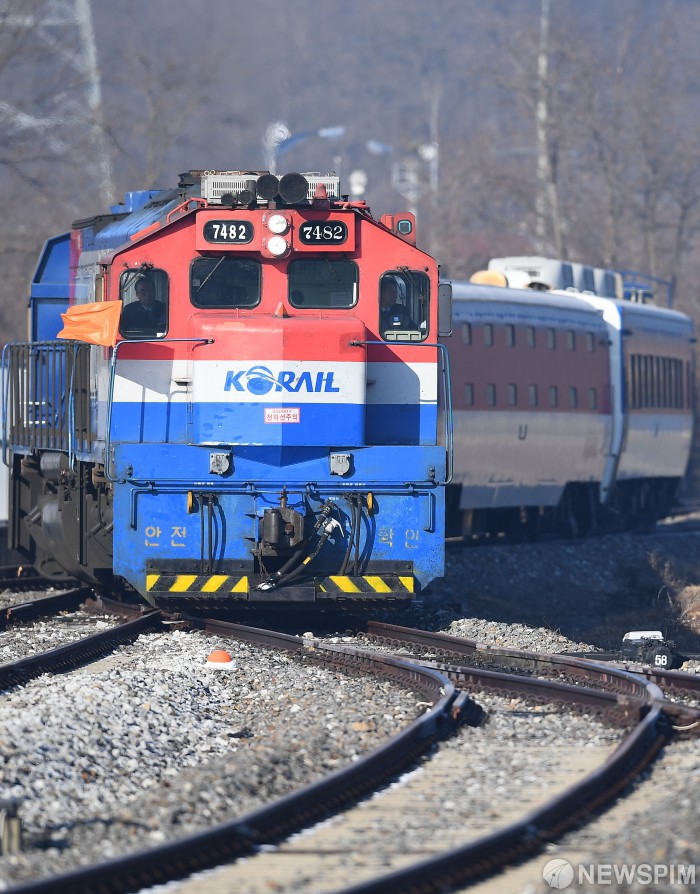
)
(242, 587)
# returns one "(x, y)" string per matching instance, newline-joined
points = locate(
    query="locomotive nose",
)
(282, 388)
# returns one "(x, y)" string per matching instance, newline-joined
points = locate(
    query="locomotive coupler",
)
(281, 529)
(301, 559)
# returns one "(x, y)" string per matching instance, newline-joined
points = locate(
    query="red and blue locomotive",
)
(231, 413)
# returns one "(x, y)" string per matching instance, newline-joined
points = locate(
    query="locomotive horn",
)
(294, 188)
(267, 186)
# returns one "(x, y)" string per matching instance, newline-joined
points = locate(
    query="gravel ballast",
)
(150, 744)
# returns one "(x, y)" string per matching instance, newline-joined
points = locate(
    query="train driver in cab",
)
(394, 315)
(146, 316)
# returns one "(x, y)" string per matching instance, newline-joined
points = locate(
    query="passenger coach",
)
(573, 411)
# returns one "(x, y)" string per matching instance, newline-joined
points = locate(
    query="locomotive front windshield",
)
(322, 283)
(225, 282)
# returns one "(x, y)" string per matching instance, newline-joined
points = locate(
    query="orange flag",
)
(96, 323)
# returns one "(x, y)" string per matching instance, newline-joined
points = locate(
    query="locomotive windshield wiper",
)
(211, 273)
(416, 288)
(337, 278)
(133, 275)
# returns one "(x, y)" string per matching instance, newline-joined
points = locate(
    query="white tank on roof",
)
(531, 269)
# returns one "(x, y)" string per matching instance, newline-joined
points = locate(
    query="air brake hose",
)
(351, 536)
(330, 525)
(356, 564)
(284, 574)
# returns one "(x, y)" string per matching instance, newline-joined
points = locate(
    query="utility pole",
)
(65, 28)
(89, 64)
(547, 199)
(431, 154)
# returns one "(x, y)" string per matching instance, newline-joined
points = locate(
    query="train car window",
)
(672, 383)
(491, 394)
(553, 396)
(672, 376)
(225, 282)
(404, 303)
(469, 394)
(639, 376)
(678, 384)
(512, 395)
(510, 336)
(467, 333)
(573, 398)
(592, 398)
(666, 381)
(532, 395)
(570, 340)
(322, 283)
(488, 335)
(144, 295)
(684, 398)
(590, 342)
(551, 339)
(530, 336)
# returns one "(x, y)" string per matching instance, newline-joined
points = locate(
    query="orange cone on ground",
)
(220, 659)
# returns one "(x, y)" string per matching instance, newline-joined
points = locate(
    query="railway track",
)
(74, 653)
(441, 669)
(18, 579)
(616, 677)
(275, 820)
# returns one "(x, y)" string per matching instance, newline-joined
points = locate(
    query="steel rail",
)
(74, 654)
(611, 678)
(643, 685)
(33, 582)
(491, 853)
(20, 612)
(275, 821)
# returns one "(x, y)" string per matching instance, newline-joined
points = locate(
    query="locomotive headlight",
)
(277, 246)
(278, 223)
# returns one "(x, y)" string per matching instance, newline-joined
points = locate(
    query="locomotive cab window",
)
(225, 282)
(144, 295)
(322, 283)
(403, 305)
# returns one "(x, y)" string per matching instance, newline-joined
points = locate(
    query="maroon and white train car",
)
(572, 412)
(652, 358)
